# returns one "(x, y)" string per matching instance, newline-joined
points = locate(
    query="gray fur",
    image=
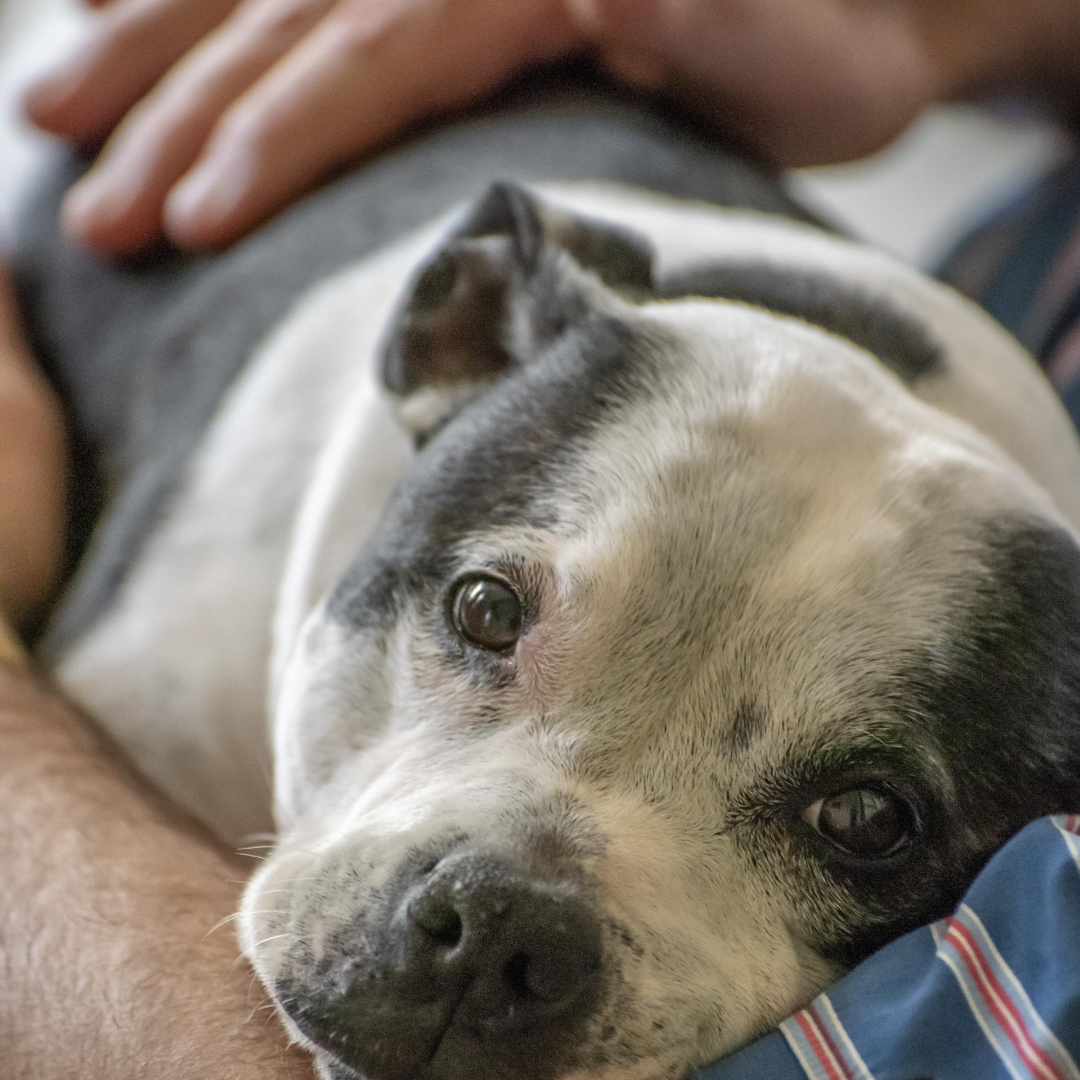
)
(900, 342)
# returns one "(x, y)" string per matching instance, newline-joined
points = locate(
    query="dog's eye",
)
(864, 822)
(487, 613)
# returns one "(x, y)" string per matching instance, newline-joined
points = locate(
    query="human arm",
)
(106, 895)
(105, 903)
(228, 111)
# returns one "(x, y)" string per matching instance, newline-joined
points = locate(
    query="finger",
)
(368, 70)
(118, 206)
(805, 82)
(132, 46)
(32, 467)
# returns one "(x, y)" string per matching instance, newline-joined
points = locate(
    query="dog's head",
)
(695, 659)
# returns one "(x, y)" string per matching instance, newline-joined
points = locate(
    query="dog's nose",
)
(519, 951)
(481, 969)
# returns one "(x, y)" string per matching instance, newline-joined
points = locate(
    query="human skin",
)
(105, 903)
(32, 474)
(219, 113)
(106, 895)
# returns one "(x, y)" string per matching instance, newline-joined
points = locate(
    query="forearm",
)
(106, 898)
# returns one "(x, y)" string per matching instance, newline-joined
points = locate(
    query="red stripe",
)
(820, 1052)
(823, 1029)
(1072, 824)
(1026, 1047)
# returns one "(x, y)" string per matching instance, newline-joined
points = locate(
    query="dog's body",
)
(584, 624)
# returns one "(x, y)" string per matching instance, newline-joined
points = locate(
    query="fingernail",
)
(95, 200)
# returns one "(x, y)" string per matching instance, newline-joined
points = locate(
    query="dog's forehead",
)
(720, 540)
(735, 515)
(695, 442)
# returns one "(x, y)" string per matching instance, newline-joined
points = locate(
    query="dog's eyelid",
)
(784, 792)
(526, 577)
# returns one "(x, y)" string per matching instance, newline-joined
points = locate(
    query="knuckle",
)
(610, 20)
(361, 32)
(250, 129)
(283, 21)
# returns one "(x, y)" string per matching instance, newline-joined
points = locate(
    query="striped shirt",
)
(1022, 264)
(992, 993)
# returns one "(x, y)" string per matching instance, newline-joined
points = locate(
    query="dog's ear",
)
(515, 276)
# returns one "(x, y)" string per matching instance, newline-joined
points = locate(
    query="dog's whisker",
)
(222, 922)
(268, 1008)
(239, 915)
(261, 838)
(273, 937)
(286, 881)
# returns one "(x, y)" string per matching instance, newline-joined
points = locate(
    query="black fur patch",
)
(495, 463)
(897, 339)
(747, 725)
(1001, 706)
(1006, 705)
(496, 294)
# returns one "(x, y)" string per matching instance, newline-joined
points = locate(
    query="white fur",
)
(373, 746)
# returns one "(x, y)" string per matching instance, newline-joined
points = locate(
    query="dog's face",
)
(694, 660)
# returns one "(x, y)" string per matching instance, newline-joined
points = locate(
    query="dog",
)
(645, 601)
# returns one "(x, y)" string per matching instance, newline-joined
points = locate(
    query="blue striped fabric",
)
(1022, 264)
(991, 994)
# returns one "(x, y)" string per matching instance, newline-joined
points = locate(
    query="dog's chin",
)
(328, 1067)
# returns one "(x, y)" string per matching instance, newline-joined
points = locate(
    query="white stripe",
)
(1050, 1043)
(937, 932)
(840, 1035)
(1072, 841)
(1035, 1067)
(1002, 1047)
(808, 1060)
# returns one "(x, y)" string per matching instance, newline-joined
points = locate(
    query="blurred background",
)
(913, 198)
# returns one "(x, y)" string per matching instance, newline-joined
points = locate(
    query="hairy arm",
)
(106, 897)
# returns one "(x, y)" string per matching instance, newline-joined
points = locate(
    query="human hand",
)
(32, 474)
(224, 111)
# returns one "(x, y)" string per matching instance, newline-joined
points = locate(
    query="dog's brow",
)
(748, 724)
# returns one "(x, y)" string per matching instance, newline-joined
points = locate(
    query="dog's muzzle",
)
(479, 970)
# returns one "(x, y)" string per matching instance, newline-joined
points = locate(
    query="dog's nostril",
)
(540, 978)
(501, 952)
(516, 975)
(438, 919)
(554, 972)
